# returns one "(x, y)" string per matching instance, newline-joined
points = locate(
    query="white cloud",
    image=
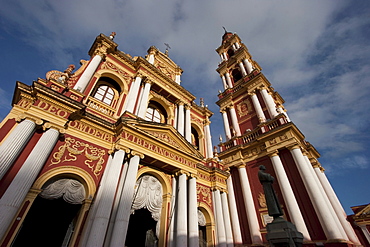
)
(319, 64)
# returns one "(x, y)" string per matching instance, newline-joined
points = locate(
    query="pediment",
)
(165, 134)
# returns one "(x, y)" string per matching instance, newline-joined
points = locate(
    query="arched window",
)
(107, 91)
(105, 94)
(155, 113)
(194, 137)
(236, 75)
(230, 52)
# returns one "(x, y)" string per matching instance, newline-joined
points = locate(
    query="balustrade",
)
(100, 106)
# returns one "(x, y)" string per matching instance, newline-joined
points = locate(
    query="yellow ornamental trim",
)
(72, 148)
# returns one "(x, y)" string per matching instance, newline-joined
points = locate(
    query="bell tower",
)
(258, 132)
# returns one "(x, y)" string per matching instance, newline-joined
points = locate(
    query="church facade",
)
(117, 153)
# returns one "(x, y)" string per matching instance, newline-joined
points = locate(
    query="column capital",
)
(58, 128)
(251, 93)
(206, 122)
(187, 106)
(147, 80)
(134, 152)
(193, 175)
(273, 153)
(293, 146)
(101, 51)
(242, 165)
(118, 146)
(139, 74)
(179, 102)
(181, 172)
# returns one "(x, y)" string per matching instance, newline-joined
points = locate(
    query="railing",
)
(239, 84)
(100, 106)
(251, 136)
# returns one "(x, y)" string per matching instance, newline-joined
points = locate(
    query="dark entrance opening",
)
(46, 223)
(141, 228)
(202, 236)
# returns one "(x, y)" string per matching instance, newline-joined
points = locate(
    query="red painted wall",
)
(9, 176)
(6, 128)
(302, 197)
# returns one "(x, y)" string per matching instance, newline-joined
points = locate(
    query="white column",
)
(14, 144)
(224, 83)
(103, 211)
(221, 235)
(234, 121)
(151, 58)
(253, 223)
(175, 117)
(180, 119)
(193, 213)
(288, 195)
(226, 125)
(123, 213)
(227, 222)
(248, 65)
(187, 124)
(132, 95)
(244, 72)
(337, 206)
(139, 97)
(331, 230)
(144, 100)
(225, 55)
(207, 133)
(258, 108)
(235, 224)
(88, 73)
(228, 80)
(173, 212)
(13, 197)
(271, 106)
(281, 110)
(365, 232)
(95, 205)
(113, 216)
(326, 200)
(181, 216)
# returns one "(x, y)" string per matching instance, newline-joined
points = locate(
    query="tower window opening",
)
(194, 137)
(237, 75)
(230, 52)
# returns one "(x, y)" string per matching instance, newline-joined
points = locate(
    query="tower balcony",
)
(252, 136)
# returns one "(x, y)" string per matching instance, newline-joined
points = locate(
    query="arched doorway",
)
(202, 229)
(52, 216)
(141, 229)
(144, 225)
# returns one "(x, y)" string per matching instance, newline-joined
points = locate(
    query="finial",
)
(168, 47)
(224, 29)
(201, 102)
(112, 35)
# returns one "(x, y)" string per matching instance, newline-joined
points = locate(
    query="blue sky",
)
(316, 54)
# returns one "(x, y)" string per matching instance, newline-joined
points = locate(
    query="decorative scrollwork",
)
(72, 148)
